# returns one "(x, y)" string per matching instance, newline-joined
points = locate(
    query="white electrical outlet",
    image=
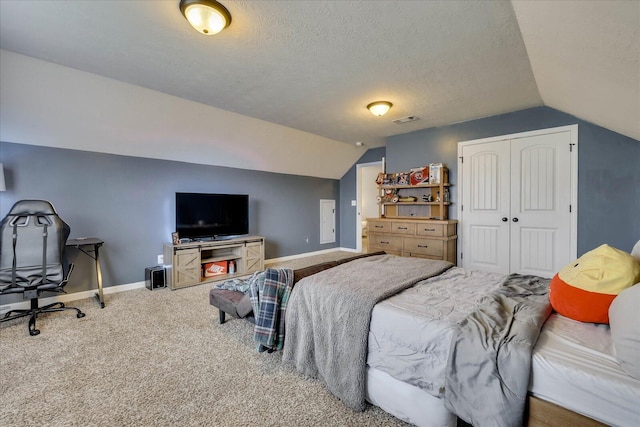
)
(160, 259)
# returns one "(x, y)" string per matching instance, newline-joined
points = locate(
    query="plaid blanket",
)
(269, 296)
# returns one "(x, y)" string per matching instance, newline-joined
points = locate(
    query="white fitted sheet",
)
(574, 367)
(407, 402)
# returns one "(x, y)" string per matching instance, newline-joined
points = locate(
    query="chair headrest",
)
(30, 207)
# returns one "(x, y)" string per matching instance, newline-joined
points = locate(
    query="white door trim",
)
(359, 201)
(327, 223)
(573, 131)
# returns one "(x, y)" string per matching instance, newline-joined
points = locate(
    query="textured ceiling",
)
(315, 65)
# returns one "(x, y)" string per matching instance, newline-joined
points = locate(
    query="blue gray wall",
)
(348, 193)
(608, 170)
(129, 202)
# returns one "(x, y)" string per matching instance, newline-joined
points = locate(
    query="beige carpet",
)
(158, 358)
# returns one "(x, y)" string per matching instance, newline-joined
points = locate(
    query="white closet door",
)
(540, 201)
(516, 204)
(485, 197)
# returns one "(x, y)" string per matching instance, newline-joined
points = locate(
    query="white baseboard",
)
(137, 285)
(65, 298)
(306, 254)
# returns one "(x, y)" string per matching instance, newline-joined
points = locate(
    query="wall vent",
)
(406, 120)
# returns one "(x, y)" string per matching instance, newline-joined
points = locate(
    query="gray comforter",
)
(487, 373)
(328, 316)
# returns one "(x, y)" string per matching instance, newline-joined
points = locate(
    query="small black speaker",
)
(154, 278)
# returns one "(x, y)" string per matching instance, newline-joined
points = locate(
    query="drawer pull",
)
(383, 242)
(402, 228)
(429, 229)
(423, 246)
(378, 226)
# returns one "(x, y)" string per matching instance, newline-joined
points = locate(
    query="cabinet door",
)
(254, 258)
(186, 267)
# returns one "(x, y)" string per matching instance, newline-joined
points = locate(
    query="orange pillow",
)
(584, 289)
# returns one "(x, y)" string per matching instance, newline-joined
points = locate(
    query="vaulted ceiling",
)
(313, 66)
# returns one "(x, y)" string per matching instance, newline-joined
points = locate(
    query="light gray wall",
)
(608, 168)
(129, 202)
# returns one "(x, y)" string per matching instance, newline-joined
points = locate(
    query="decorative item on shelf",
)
(386, 178)
(435, 173)
(408, 199)
(232, 267)
(438, 196)
(419, 175)
(403, 178)
(175, 238)
(390, 196)
(446, 195)
(215, 268)
(427, 198)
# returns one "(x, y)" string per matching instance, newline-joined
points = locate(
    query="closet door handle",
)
(515, 220)
(505, 219)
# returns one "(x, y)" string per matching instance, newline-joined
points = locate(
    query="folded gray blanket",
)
(328, 317)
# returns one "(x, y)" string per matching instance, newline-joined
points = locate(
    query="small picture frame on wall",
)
(175, 238)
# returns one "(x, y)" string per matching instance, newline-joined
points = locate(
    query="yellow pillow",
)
(584, 289)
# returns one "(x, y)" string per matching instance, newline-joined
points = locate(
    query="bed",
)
(574, 376)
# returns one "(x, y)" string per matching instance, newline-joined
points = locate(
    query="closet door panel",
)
(485, 200)
(540, 199)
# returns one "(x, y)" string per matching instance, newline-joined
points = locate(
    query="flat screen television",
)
(211, 216)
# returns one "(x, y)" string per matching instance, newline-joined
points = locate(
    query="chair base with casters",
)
(35, 309)
(32, 258)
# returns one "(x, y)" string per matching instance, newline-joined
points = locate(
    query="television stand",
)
(187, 260)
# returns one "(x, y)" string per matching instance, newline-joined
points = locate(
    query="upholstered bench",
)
(234, 303)
(238, 304)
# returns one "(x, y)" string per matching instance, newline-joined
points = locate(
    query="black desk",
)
(82, 245)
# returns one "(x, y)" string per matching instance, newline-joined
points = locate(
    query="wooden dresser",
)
(414, 237)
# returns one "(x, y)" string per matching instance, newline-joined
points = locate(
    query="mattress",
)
(574, 366)
(407, 402)
(410, 333)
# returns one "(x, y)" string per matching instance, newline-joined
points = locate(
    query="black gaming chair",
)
(32, 258)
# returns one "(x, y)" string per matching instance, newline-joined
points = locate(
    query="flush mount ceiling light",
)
(379, 108)
(206, 16)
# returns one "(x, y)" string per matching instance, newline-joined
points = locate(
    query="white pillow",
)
(635, 252)
(624, 319)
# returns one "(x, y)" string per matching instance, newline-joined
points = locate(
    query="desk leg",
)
(99, 295)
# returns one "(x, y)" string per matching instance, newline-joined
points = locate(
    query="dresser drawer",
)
(379, 227)
(436, 230)
(381, 241)
(403, 228)
(428, 247)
